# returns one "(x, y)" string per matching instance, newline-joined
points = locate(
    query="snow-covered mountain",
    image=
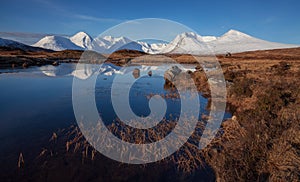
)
(82, 40)
(114, 43)
(56, 43)
(191, 43)
(234, 41)
(106, 44)
(154, 48)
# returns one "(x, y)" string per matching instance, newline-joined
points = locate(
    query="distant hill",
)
(10, 44)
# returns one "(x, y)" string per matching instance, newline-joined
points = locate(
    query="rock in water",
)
(170, 74)
(175, 77)
(136, 73)
(55, 63)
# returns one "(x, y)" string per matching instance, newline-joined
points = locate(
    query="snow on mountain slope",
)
(153, 48)
(117, 40)
(131, 46)
(209, 38)
(109, 44)
(115, 43)
(189, 43)
(158, 46)
(82, 40)
(57, 43)
(234, 41)
(234, 35)
(112, 44)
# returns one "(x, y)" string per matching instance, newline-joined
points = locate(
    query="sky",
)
(271, 20)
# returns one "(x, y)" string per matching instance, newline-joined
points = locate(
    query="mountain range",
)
(232, 41)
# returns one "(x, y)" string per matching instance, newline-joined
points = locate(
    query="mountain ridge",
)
(232, 41)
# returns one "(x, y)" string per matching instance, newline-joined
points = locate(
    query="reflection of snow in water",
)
(55, 71)
(110, 69)
(50, 73)
(84, 71)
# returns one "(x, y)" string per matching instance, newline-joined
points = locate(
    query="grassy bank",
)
(262, 141)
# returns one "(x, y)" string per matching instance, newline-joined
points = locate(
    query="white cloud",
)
(99, 19)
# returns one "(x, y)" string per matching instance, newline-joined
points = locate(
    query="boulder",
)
(175, 77)
(170, 74)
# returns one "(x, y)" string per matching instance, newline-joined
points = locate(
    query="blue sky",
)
(271, 20)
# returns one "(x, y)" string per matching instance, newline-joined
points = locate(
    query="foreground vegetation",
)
(262, 141)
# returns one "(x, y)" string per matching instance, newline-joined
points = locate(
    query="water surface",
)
(37, 101)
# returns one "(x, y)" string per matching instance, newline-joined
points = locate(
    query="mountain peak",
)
(187, 42)
(81, 33)
(235, 33)
(187, 35)
(51, 38)
(82, 39)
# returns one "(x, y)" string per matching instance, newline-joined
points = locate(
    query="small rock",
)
(171, 73)
(136, 73)
(55, 63)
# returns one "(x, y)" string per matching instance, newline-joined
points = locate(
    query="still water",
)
(37, 101)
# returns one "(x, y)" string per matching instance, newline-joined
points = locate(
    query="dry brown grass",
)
(262, 143)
